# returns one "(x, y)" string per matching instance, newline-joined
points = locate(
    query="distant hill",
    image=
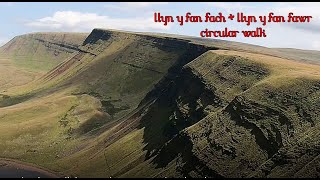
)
(42, 51)
(303, 55)
(310, 56)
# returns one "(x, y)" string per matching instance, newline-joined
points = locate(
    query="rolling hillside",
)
(42, 51)
(124, 104)
(28, 57)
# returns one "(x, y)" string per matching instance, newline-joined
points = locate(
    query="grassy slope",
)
(115, 69)
(42, 51)
(27, 57)
(13, 76)
(116, 73)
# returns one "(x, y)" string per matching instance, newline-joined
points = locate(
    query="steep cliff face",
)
(207, 85)
(233, 117)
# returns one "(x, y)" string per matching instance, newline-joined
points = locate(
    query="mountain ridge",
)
(134, 105)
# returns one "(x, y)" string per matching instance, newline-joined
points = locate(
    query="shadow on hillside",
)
(163, 141)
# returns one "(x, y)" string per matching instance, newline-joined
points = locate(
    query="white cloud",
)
(228, 6)
(301, 9)
(138, 17)
(134, 6)
(142, 4)
(78, 21)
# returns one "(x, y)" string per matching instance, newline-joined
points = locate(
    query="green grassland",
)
(42, 52)
(121, 104)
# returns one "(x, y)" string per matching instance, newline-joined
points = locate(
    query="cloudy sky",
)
(24, 17)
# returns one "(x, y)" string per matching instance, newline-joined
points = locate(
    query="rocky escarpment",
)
(225, 119)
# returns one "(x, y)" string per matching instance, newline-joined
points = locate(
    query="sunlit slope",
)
(118, 68)
(93, 92)
(27, 57)
(42, 51)
(13, 76)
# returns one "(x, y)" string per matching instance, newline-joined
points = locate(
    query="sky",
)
(19, 18)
